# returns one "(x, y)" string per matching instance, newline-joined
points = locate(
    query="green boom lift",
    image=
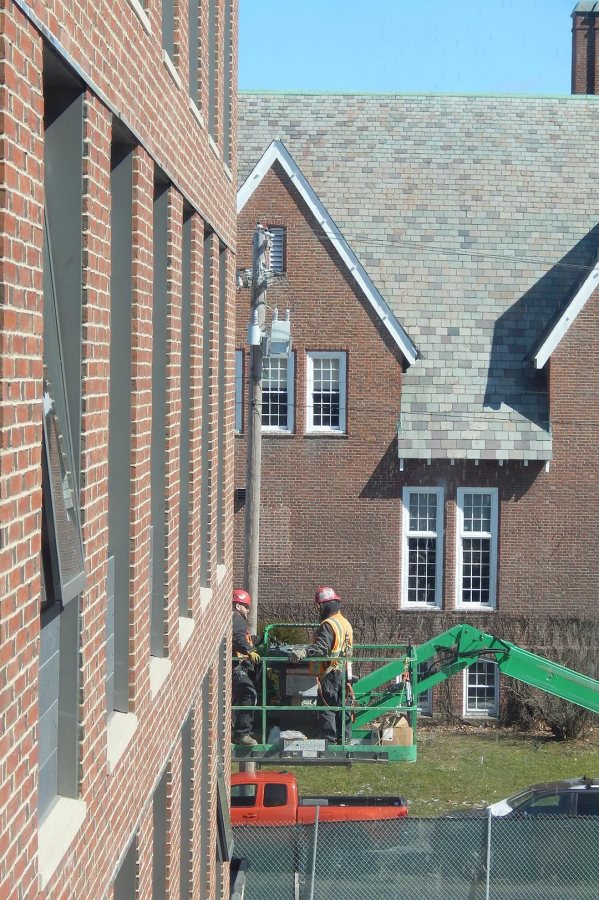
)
(397, 674)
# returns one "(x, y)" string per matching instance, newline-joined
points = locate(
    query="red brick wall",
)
(321, 495)
(331, 507)
(585, 53)
(123, 65)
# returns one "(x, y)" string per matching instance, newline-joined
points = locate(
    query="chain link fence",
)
(465, 858)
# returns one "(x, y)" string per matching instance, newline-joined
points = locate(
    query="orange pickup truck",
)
(272, 798)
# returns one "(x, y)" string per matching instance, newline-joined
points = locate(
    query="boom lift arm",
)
(456, 649)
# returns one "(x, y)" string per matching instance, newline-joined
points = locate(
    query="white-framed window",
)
(476, 553)
(481, 689)
(277, 393)
(277, 248)
(422, 547)
(238, 391)
(326, 392)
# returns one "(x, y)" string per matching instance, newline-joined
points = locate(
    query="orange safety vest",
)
(343, 641)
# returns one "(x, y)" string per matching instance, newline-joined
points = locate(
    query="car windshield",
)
(520, 800)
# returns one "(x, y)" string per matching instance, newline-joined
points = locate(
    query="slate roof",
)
(476, 218)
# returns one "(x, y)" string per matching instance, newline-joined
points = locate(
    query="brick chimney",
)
(585, 47)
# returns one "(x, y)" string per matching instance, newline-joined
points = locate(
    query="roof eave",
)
(561, 327)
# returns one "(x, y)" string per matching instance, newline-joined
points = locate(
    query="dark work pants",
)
(244, 694)
(330, 721)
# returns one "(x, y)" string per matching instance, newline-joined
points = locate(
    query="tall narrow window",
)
(277, 393)
(220, 436)
(61, 558)
(227, 78)
(194, 51)
(326, 392)
(205, 488)
(277, 248)
(168, 27)
(481, 689)
(212, 69)
(126, 881)
(203, 768)
(187, 786)
(477, 547)
(185, 432)
(159, 837)
(422, 547)
(159, 356)
(119, 422)
(238, 391)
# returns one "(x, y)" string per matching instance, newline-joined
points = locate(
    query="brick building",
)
(116, 422)
(456, 482)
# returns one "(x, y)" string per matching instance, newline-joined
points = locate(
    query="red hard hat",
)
(242, 597)
(324, 594)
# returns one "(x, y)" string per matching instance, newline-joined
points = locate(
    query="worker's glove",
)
(298, 655)
(254, 657)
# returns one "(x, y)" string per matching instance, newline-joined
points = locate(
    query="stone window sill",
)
(170, 68)
(186, 627)
(141, 14)
(56, 834)
(160, 668)
(121, 728)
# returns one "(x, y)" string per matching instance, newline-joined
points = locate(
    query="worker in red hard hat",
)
(245, 661)
(334, 639)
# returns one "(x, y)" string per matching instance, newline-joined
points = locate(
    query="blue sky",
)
(472, 46)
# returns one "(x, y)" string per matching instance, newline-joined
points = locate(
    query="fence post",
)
(313, 876)
(488, 885)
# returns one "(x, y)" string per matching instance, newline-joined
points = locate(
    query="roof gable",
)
(277, 152)
(552, 340)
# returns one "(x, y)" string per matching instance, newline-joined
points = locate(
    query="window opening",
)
(482, 688)
(277, 393)
(477, 548)
(422, 563)
(326, 392)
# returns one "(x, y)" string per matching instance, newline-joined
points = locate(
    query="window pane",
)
(238, 390)
(61, 518)
(476, 570)
(326, 391)
(275, 794)
(422, 561)
(243, 794)
(423, 512)
(275, 400)
(481, 689)
(477, 512)
(588, 803)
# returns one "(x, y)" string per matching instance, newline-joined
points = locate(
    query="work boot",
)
(247, 740)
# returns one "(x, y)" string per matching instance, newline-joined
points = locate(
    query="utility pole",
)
(251, 538)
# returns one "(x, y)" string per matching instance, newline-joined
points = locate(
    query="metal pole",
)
(313, 876)
(488, 886)
(251, 543)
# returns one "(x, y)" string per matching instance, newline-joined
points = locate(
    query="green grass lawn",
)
(465, 767)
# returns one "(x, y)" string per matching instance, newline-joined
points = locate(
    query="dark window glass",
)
(275, 794)
(588, 803)
(243, 795)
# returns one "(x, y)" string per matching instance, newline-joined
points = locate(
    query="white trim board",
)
(277, 152)
(567, 317)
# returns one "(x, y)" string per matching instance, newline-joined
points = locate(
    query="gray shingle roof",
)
(476, 218)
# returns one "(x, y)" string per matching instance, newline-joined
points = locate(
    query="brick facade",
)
(115, 52)
(331, 507)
